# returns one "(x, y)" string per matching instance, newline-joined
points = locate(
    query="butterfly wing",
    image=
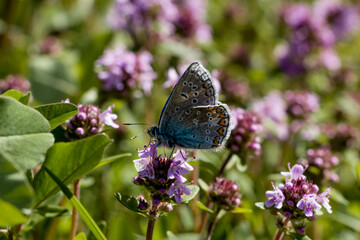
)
(202, 127)
(194, 88)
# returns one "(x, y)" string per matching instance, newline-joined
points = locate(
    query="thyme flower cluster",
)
(297, 199)
(162, 176)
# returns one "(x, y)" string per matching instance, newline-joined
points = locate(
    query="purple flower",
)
(18, 83)
(89, 121)
(122, 70)
(246, 128)
(272, 111)
(162, 176)
(335, 20)
(178, 189)
(225, 193)
(276, 197)
(108, 117)
(301, 104)
(308, 204)
(323, 198)
(179, 166)
(329, 59)
(296, 172)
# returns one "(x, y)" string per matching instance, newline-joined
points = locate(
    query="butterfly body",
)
(192, 116)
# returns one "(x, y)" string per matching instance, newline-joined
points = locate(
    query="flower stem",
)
(75, 214)
(212, 224)
(226, 161)
(279, 234)
(150, 228)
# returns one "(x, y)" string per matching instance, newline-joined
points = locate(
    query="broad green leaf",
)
(24, 134)
(80, 236)
(194, 191)
(203, 207)
(57, 113)
(85, 216)
(10, 215)
(111, 159)
(24, 99)
(69, 161)
(345, 219)
(128, 201)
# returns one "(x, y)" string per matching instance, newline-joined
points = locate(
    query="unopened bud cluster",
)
(225, 193)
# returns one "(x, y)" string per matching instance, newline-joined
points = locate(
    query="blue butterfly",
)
(192, 116)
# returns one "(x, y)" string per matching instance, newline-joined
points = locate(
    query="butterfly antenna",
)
(137, 124)
(138, 135)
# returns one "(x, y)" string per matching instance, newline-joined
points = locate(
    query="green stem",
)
(150, 228)
(75, 214)
(226, 161)
(212, 224)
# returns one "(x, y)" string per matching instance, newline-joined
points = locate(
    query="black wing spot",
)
(184, 95)
(188, 112)
(198, 113)
(195, 100)
(185, 83)
(196, 93)
(177, 109)
(207, 131)
(194, 87)
(190, 84)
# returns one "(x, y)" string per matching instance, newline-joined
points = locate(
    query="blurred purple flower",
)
(295, 172)
(329, 59)
(300, 104)
(122, 70)
(272, 111)
(323, 198)
(246, 128)
(336, 20)
(225, 193)
(15, 82)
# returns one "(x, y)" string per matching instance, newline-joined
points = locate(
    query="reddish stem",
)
(75, 214)
(279, 234)
(150, 228)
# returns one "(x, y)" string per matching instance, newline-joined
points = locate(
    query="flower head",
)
(162, 176)
(18, 83)
(225, 193)
(122, 70)
(89, 121)
(245, 134)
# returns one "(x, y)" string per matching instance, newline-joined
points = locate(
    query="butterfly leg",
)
(172, 152)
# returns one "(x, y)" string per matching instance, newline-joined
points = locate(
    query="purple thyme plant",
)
(15, 82)
(122, 70)
(323, 161)
(245, 134)
(341, 135)
(225, 193)
(162, 176)
(296, 200)
(161, 18)
(89, 121)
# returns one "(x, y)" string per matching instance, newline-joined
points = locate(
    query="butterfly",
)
(193, 117)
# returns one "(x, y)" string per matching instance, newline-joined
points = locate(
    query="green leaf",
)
(52, 210)
(346, 219)
(24, 99)
(260, 205)
(10, 215)
(203, 185)
(204, 207)
(57, 113)
(128, 201)
(24, 134)
(194, 191)
(358, 171)
(241, 210)
(69, 161)
(111, 159)
(80, 236)
(85, 216)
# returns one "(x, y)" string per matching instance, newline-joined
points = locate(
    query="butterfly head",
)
(161, 139)
(153, 131)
